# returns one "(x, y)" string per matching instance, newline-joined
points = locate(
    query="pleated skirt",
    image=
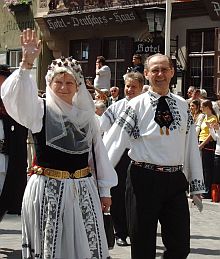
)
(62, 219)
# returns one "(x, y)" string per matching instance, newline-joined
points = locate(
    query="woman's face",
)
(193, 108)
(64, 86)
(204, 109)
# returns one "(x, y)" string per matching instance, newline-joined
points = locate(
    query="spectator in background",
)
(90, 87)
(114, 95)
(197, 114)
(133, 87)
(207, 145)
(100, 107)
(215, 133)
(137, 64)
(203, 94)
(103, 74)
(216, 106)
(196, 94)
(190, 92)
(13, 158)
(195, 109)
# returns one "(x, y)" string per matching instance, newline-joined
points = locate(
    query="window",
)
(79, 49)
(15, 57)
(201, 59)
(114, 51)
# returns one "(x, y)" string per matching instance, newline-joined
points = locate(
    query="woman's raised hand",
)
(31, 48)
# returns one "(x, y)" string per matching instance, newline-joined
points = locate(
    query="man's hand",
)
(106, 203)
(197, 200)
(31, 48)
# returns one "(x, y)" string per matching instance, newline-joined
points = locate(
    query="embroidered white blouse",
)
(137, 126)
(111, 114)
(20, 96)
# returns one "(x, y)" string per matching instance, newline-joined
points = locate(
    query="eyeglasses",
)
(113, 91)
(160, 70)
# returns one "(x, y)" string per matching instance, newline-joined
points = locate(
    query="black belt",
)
(158, 168)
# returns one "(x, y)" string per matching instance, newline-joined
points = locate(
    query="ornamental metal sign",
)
(89, 20)
(213, 7)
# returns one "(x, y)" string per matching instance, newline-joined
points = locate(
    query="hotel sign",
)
(149, 47)
(89, 20)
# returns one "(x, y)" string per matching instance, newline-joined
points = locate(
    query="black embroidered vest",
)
(49, 157)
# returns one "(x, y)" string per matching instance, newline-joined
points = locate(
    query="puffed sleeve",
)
(106, 174)
(116, 141)
(19, 93)
(192, 160)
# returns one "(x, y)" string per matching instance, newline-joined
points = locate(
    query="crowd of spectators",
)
(206, 115)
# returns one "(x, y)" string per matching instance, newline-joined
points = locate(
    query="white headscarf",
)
(69, 128)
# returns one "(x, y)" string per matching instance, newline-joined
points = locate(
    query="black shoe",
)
(14, 212)
(121, 242)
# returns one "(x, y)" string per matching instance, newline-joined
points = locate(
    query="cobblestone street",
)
(205, 236)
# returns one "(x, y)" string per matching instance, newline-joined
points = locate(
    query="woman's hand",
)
(201, 146)
(31, 48)
(106, 203)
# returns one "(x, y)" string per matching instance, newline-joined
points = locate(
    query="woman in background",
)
(207, 145)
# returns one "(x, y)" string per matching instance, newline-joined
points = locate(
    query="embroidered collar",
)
(156, 96)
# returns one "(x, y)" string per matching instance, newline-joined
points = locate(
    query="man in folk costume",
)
(13, 158)
(61, 211)
(165, 161)
(133, 87)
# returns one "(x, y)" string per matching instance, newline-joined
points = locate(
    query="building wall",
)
(11, 27)
(181, 25)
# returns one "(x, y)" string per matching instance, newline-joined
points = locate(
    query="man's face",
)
(132, 88)
(159, 74)
(114, 92)
(190, 92)
(98, 64)
(136, 61)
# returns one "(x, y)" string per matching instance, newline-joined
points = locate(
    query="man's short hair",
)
(101, 59)
(191, 88)
(134, 76)
(4, 70)
(203, 93)
(137, 56)
(146, 64)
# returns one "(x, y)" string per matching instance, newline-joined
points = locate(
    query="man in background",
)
(13, 158)
(103, 74)
(114, 95)
(137, 64)
(133, 87)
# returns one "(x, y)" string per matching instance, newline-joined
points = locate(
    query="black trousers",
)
(216, 177)
(118, 211)
(208, 154)
(156, 196)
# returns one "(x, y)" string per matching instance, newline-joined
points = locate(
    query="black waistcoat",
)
(16, 178)
(49, 157)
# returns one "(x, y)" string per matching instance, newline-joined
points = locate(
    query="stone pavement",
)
(205, 236)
